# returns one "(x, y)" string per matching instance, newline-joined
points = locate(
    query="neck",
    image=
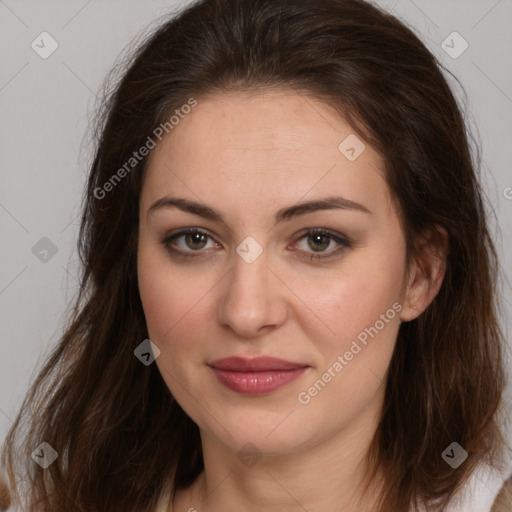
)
(328, 474)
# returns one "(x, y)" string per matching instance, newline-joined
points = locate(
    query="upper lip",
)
(256, 364)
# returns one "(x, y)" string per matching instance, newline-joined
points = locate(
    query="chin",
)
(268, 433)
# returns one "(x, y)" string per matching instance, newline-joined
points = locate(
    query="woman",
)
(288, 292)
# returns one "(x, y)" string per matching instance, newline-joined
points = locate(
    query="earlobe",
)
(427, 271)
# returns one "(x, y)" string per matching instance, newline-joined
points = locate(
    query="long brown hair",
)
(120, 436)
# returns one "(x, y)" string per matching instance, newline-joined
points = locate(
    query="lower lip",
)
(257, 383)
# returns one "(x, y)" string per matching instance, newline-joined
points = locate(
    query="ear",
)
(426, 271)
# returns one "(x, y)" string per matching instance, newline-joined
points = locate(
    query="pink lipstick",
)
(256, 376)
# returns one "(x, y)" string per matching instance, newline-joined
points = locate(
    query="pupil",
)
(319, 237)
(195, 238)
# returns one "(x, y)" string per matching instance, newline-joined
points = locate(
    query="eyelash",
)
(343, 242)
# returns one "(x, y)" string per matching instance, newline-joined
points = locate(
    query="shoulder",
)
(488, 490)
(503, 502)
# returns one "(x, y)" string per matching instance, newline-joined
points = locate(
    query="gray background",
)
(47, 104)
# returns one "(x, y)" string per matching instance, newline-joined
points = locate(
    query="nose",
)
(252, 299)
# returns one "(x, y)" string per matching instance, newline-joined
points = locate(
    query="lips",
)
(257, 364)
(256, 376)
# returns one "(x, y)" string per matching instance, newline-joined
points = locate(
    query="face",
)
(321, 288)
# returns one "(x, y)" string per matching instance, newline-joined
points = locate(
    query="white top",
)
(481, 490)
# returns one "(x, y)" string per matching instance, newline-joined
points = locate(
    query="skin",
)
(246, 156)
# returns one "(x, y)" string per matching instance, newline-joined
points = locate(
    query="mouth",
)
(256, 376)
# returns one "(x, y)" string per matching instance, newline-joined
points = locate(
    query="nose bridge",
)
(249, 300)
(249, 278)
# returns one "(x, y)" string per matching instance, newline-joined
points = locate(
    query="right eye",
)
(194, 239)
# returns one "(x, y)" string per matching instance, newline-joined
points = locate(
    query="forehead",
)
(271, 144)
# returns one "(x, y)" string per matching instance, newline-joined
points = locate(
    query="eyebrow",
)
(287, 213)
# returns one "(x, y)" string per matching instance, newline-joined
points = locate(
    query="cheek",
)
(156, 300)
(363, 311)
(166, 319)
(168, 311)
(353, 300)
(174, 309)
(164, 302)
(361, 306)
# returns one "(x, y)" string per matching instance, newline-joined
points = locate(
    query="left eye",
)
(318, 240)
(321, 239)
